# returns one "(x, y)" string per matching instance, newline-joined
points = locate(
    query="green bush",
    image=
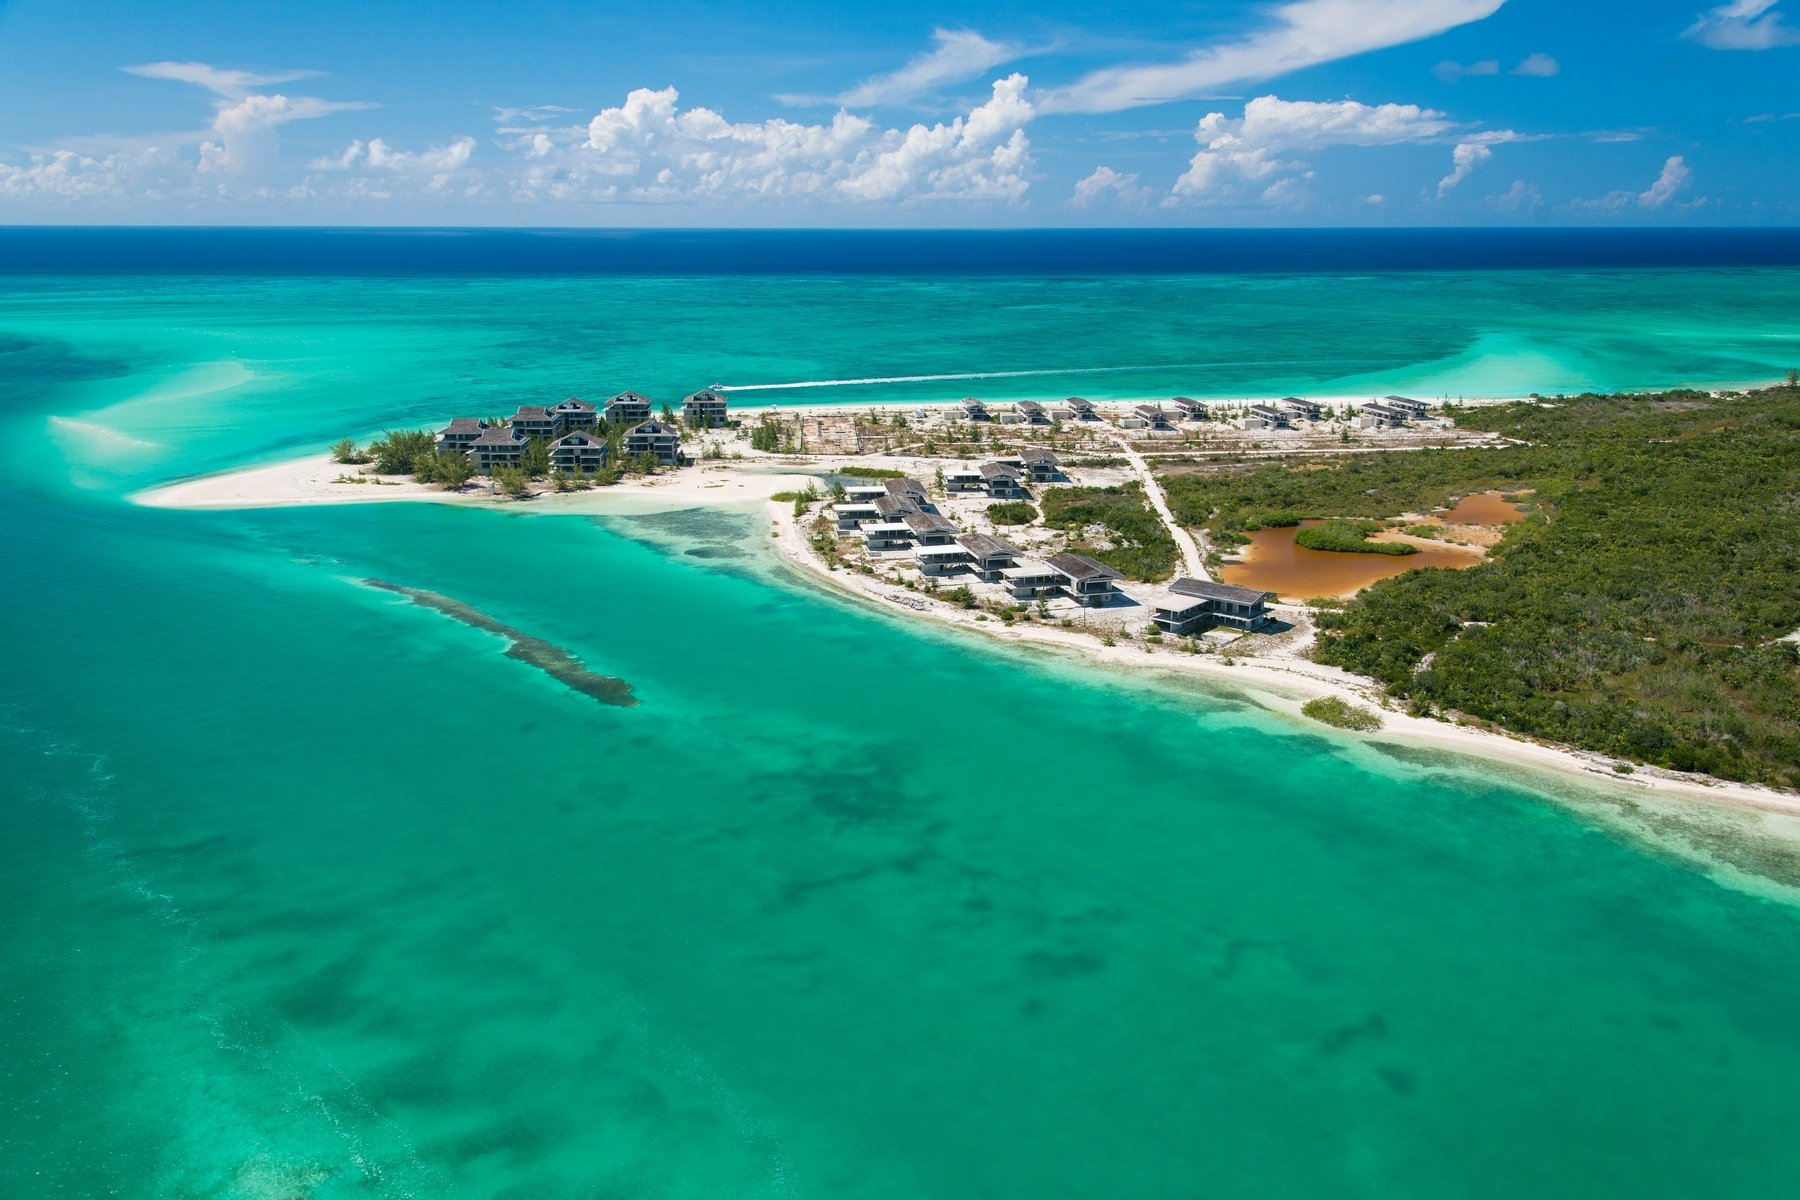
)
(1334, 710)
(1350, 537)
(1011, 512)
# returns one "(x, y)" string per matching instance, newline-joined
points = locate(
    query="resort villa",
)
(1189, 409)
(929, 529)
(1042, 464)
(573, 414)
(1081, 410)
(1294, 406)
(460, 434)
(1374, 414)
(627, 408)
(940, 558)
(906, 489)
(534, 421)
(963, 479)
(1152, 416)
(1416, 409)
(498, 446)
(705, 409)
(1031, 412)
(989, 555)
(1031, 579)
(654, 437)
(1193, 603)
(974, 410)
(1088, 582)
(578, 453)
(1263, 416)
(1001, 480)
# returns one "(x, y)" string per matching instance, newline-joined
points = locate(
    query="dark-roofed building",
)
(1301, 408)
(1263, 416)
(627, 408)
(1413, 408)
(459, 434)
(1042, 463)
(572, 414)
(1083, 410)
(929, 529)
(1196, 603)
(895, 508)
(705, 409)
(1373, 414)
(534, 421)
(1031, 412)
(498, 446)
(989, 555)
(905, 489)
(654, 437)
(1087, 582)
(1152, 415)
(1189, 409)
(578, 453)
(973, 409)
(1001, 479)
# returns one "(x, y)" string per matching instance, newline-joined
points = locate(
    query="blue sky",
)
(1305, 112)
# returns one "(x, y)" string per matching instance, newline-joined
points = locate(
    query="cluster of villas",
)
(897, 516)
(571, 429)
(1390, 412)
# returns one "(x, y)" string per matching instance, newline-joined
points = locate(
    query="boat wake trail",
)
(1036, 372)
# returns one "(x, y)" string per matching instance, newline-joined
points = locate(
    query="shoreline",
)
(1280, 681)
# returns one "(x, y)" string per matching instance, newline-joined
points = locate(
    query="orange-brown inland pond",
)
(1273, 563)
(1484, 508)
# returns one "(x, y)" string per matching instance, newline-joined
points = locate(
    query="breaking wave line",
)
(1039, 371)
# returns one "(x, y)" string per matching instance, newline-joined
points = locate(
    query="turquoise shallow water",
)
(313, 892)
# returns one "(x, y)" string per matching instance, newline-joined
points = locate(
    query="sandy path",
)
(1193, 562)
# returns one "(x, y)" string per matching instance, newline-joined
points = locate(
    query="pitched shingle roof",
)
(1080, 566)
(983, 546)
(1206, 589)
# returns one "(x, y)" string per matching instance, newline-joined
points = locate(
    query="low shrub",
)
(1335, 710)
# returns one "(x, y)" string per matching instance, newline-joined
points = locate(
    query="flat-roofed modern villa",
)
(973, 409)
(989, 555)
(459, 434)
(572, 414)
(1196, 603)
(1030, 579)
(1189, 409)
(865, 493)
(654, 437)
(533, 421)
(498, 446)
(886, 535)
(851, 516)
(963, 479)
(627, 408)
(1088, 582)
(940, 558)
(578, 453)
(1043, 464)
(705, 409)
(1031, 412)
(1301, 408)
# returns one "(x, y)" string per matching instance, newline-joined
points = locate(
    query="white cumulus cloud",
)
(1304, 33)
(1253, 149)
(1463, 160)
(1742, 25)
(651, 149)
(1106, 183)
(1675, 175)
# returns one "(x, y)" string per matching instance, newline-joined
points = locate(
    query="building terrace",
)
(1192, 603)
(1088, 582)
